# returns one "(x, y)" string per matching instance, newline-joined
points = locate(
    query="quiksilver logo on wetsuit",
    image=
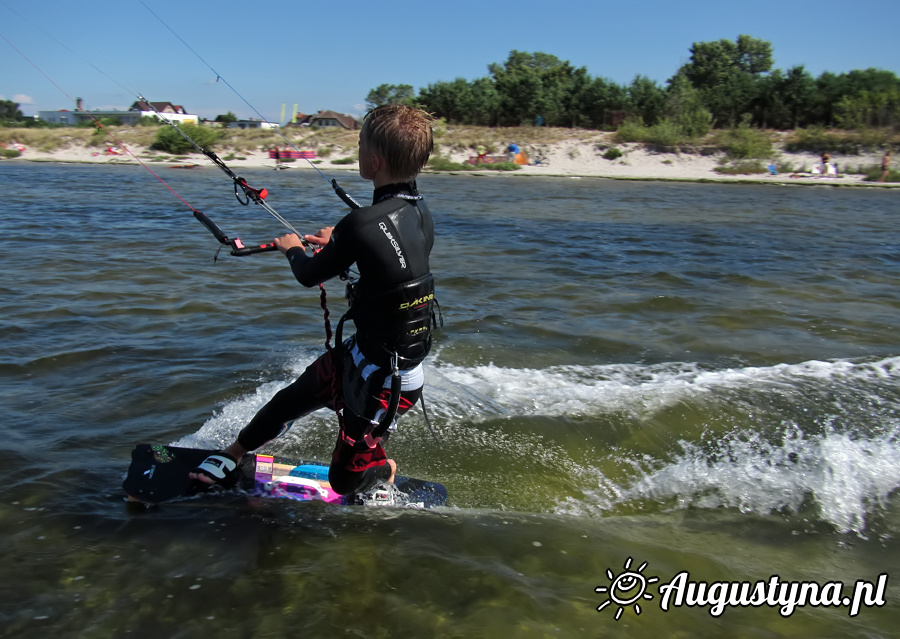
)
(394, 243)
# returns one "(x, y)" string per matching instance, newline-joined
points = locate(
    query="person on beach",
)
(512, 151)
(481, 154)
(391, 305)
(825, 162)
(885, 166)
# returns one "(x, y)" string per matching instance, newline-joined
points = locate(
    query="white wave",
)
(844, 479)
(223, 427)
(641, 389)
(767, 466)
(474, 393)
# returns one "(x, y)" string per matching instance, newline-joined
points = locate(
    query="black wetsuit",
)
(391, 306)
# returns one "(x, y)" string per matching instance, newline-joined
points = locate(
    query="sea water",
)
(663, 382)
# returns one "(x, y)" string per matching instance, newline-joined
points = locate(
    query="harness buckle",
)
(367, 442)
(370, 441)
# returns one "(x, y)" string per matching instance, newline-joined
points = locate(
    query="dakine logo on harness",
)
(629, 588)
(417, 302)
(394, 243)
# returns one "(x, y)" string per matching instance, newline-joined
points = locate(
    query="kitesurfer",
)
(391, 306)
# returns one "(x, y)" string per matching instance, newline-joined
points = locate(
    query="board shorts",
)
(361, 395)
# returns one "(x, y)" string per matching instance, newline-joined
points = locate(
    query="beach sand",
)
(577, 158)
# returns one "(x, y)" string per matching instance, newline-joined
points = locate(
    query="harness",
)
(394, 328)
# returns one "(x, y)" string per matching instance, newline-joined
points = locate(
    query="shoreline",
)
(567, 159)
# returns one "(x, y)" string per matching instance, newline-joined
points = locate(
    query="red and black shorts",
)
(353, 470)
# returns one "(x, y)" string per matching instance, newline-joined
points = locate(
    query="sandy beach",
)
(576, 158)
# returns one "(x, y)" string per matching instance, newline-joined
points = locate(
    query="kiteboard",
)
(159, 474)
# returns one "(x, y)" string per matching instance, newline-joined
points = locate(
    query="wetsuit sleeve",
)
(337, 256)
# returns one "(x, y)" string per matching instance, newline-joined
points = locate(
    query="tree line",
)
(725, 83)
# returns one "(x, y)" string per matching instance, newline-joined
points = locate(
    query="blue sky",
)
(329, 55)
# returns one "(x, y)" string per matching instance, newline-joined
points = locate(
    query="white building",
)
(249, 124)
(169, 111)
(138, 110)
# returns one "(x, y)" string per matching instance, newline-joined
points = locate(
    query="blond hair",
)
(402, 136)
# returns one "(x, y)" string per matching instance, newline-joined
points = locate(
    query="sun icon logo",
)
(626, 589)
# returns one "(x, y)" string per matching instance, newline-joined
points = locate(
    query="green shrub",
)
(344, 161)
(100, 138)
(500, 166)
(666, 134)
(742, 168)
(871, 139)
(613, 154)
(171, 141)
(149, 120)
(695, 123)
(817, 139)
(784, 167)
(745, 143)
(443, 164)
(632, 130)
(10, 153)
(93, 123)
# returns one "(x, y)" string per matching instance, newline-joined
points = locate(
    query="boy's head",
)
(402, 136)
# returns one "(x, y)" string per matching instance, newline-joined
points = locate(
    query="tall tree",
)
(647, 99)
(726, 72)
(448, 100)
(602, 103)
(225, 119)
(9, 111)
(571, 98)
(389, 94)
(797, 89)
(535, 84)
(768, 108)
(483, 103)
(685, 107)
(830, 88)
(518, 83)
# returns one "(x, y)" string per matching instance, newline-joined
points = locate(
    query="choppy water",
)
(700, 377)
